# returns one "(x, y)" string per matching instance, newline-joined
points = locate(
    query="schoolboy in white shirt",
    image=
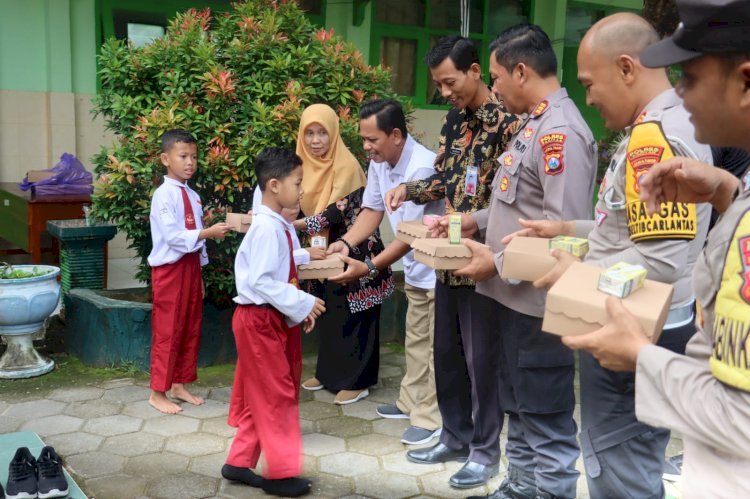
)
(178, 253)
(265, 394)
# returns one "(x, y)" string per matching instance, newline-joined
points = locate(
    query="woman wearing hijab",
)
(333, 182)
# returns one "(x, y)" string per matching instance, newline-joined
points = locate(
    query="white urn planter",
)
(25, 304)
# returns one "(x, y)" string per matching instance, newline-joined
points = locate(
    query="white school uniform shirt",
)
(171, 240)
(416, 163)
(261, 269)
(301, 256)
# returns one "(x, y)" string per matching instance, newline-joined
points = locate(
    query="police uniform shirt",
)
(548, 172)
(667, 251)
(705, 394)
(416, 163)
(261, 268)
(171, 240)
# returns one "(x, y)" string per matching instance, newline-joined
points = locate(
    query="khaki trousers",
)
(418, 398)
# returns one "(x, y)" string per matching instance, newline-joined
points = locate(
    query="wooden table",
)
(23, 216)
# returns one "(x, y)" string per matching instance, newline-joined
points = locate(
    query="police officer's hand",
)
(616, 345)
(482, 264)
(439, 228)
(541, 228)
(338, 247)
(564, 260)
(687, 181)
(395, 198)
(318, 308)
(355, 270)
(316, 253)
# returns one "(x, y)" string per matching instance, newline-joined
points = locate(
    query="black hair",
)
(275, 162)
(172, 137)
(388, 114)
(528, 44)
(461, 51)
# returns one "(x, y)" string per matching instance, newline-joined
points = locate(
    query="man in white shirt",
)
(395, 157)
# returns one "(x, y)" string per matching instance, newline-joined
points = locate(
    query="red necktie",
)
(189, 217)
(292, 266)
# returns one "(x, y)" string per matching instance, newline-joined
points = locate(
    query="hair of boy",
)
(388, 115)
(275, 162)
(527, 44)
(172, 137)
(461, 51)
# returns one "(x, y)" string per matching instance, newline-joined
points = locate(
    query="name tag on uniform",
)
(472, 177)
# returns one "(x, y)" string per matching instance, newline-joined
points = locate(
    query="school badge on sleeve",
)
(553, 145)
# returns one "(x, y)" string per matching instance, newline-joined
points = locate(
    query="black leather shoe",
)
(511, 489)
(438, 453)
(473, 475)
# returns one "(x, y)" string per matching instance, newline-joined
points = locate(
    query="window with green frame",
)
(403, 31)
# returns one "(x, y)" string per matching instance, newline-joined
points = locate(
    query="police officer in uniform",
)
(623, 457)
(704, 394)
(547, 171)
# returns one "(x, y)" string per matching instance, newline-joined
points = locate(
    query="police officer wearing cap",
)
(547, 171)
(705, 393)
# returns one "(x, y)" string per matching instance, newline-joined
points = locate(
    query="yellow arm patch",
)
(647, 146)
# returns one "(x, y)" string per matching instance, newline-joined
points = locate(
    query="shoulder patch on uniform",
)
(600, 216)
(553, 145)
(508, 160)
(527, 133)
(540, 109)
(504, 183)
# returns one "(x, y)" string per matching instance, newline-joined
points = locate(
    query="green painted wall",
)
(550, 16)
(339, 16)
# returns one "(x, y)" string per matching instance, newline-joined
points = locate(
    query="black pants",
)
(623, 457)
(536, 390)
(466, 372)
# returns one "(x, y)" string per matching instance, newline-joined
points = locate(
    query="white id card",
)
(472, 177)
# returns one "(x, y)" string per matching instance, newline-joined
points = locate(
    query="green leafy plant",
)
(239, 81)
(7, 271)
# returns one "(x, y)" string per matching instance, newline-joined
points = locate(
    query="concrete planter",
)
(25, 304)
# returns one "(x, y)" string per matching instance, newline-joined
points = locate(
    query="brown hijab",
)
(332, 176)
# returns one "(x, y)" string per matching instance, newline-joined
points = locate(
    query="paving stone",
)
(391, 381)
(195, 444)
(211, 409)
(317, 444)
(34, 409)
(315, 411)
(306, 426)
(437, 484)
(95, 464)
(209, 465)
(155, 465)
(306, 396)
(9, 424)
(363, 409)
(348, 464)
(127, 394)
(325, 485)
(53, 425)
(109, 426)
(76, 394)
(141, 409)
(387, 371)
(324, 396)
(382, 395)
(218, 426)
(386, 485)
(173, 424)
(390, 427)
(115, 383)
(344, 427)
(92, 409)
(310, 466)
(184, 486)
(77, 442)
(133, 444)
(397, 462)
(310, 361)
(117, 486)
(396, 359)
(236, 490)
(222, 394)
(375, 444)
(3, 407)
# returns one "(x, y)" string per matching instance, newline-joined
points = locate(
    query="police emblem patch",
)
(600, 217)
(508, 160)
(553, 145)
(527, 133)
(504, 184)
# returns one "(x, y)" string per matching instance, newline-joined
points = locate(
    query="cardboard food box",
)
(574, 245)
(240, 222)
(575, 305)
(441, 254)
(621, 279)
(407, 232)
(37, 175)
(321, 269)
(527, 259)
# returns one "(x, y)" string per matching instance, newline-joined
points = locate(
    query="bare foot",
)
(179, 392)
(161, 403)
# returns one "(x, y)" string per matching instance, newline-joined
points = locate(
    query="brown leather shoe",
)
(350, 396)
(312, 384)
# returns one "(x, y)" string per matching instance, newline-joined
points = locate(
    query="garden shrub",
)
(239, 81)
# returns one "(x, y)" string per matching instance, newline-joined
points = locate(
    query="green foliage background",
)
(239, 81)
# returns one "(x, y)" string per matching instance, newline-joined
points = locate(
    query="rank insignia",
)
(504, 184)
(508, 160)
(541, 108)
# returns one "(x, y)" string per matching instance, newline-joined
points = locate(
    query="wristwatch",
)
(372, 272)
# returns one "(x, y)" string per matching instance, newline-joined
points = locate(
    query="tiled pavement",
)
(119, 447)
